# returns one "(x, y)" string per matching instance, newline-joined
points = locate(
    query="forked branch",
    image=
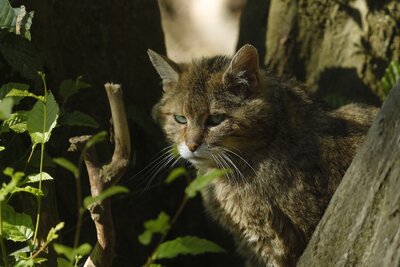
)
(103, 176)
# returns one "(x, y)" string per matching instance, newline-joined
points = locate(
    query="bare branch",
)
(102, 177)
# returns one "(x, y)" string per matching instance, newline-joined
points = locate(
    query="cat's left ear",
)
(166, 68)
(244, 67)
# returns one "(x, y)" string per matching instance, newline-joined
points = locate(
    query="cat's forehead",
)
(202, 74)
(200, 86)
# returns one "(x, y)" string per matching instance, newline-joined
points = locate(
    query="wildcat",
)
(286, 152)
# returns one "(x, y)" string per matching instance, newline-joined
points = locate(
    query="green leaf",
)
(23, 93)
(2, 148)
(6, 105)
(186, 245)
(30, 262)
(21, 253)
(29, 189)
(52, 235)
(390, 78)
(71, 87)
(68, 252)
(33, 178)
(202, 181)
(113, 190)
(22, 56)
(97, 138)
(16, 122)
(159, 225)
(7, 189)
(68, 165)
(175, 173)
(145, 238)
(6, 88)
(15, 20)
(17, 227)
(37, 116)
(83, 249)
(61, 262)
(77, 118)
(71, 253)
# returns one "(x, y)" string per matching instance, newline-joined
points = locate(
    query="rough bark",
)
(102, 176)
(339, 48)
(361, 224)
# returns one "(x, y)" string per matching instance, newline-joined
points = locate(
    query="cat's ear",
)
(243, 68)
(166, 68)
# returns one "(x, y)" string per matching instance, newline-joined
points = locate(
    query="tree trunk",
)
(361, 224)
(253, 23)
(340, 49)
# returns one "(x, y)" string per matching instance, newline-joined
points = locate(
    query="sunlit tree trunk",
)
(340, 49)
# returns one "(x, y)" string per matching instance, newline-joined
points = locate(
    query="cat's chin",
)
(200, 163)
(198, 160)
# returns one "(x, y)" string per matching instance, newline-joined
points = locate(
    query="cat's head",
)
(210, 106)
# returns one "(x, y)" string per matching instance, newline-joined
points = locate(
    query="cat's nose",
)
(192, 146)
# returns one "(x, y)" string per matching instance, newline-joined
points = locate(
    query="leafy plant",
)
(186, 245)
(15, 20)
(390, 78)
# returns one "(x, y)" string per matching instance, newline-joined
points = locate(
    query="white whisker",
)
(237, 171)
(241, 158)
(155, 160)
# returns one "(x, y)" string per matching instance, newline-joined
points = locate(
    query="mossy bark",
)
(340, 49)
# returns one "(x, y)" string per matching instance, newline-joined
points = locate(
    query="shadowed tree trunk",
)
(361, 225)
(253, 23)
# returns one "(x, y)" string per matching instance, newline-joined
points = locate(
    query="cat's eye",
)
(180, 119)
(215, 119)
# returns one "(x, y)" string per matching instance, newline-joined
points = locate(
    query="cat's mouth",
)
(199, 156)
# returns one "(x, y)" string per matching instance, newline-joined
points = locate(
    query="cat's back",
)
(343, 134)
(356, 113)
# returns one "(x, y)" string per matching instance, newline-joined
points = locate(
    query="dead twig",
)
(103, 176)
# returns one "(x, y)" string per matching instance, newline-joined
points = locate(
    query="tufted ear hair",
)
(166, 68)
(243, 68)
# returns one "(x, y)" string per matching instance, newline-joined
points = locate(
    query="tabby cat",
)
(287, 153)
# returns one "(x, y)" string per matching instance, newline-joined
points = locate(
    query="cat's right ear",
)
(166, 68)
(243, 68)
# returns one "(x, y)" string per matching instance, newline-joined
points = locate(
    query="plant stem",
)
(78, 228)
(30, 157)
(81, 211)
(175, 218)
(3, 246)
(151, 259)
(39, 198)
(39, 250)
